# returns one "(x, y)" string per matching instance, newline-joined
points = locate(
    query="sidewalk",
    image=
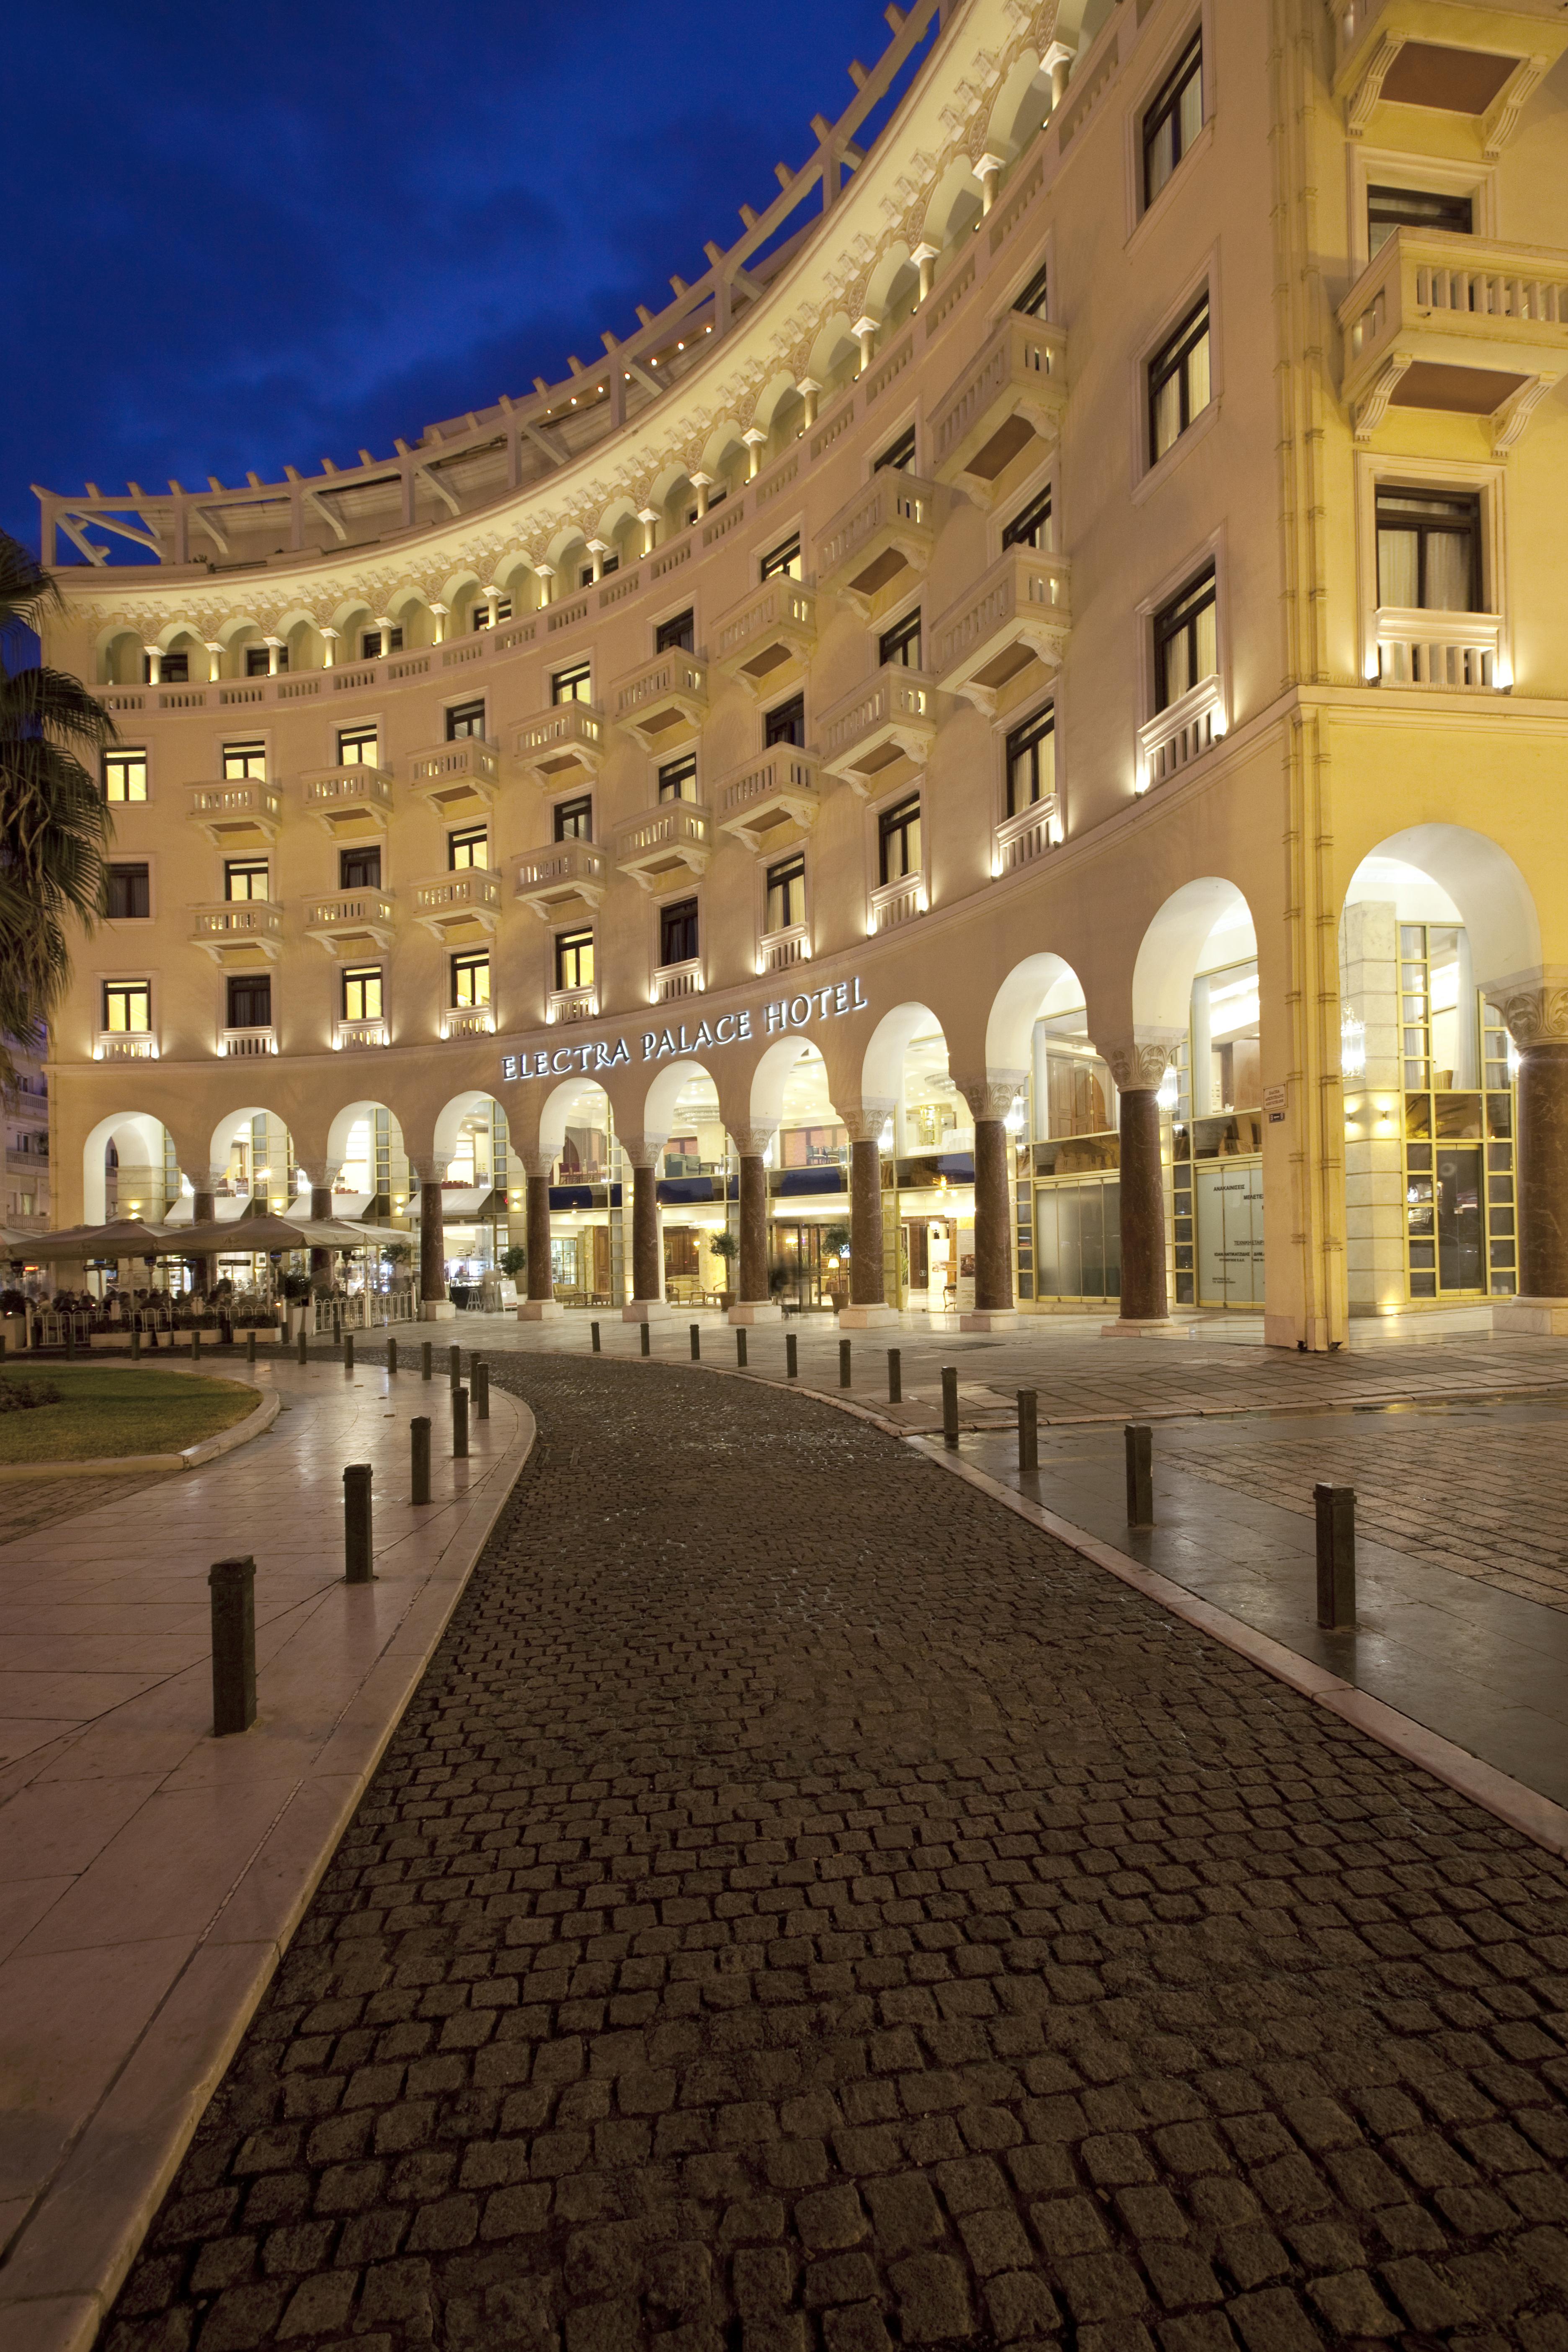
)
(153, 1874)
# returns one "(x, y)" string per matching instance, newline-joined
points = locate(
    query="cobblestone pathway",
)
(805, 1910)
(29, 1504)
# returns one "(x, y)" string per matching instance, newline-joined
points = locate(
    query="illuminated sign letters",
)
(840, 996)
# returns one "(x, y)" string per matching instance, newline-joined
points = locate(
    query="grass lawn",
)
(115, 1412)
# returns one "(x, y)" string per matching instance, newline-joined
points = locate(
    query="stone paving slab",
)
(807, 1909)
(154, 1875)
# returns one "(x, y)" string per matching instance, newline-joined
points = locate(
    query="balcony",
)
(777, 790)
(458, 780)
(349, 801)
(237, 817)
(125, 1045)
(352, 924)
(673, 981)
(880, 542)
(1482, 61)
(881, 727)
(782, 950)
(764, 640)
(1174, 739)
(349, 1037)
(1448, 652)
(560, 876)
(246, 1044)
(563, 1004)
(654, 848)
(1021, 839)
(1017, 612)
(459, 909)
(664, 703)
(469, 1020)
(893, 903)
(1011, 394)
(237, 932)
(563, 745)
(1458, 324)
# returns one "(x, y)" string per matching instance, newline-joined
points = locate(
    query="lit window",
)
(471, 981)
(468, 848)
(245, 879)
(573, 958)
(1033, 301)
(786, 894)
(1032, 761)
(899, 457)
(362, 993)
(786, 724)
(465, 718)
(899, 840)
(573, 685)
(359, 747)
(244, 759)
(129, 894)
(676, 635)
(1179, 381)
(1174, 120)
(127, 1006)
(250, 1001)
(173, 670)
(574, 819)
(481, 616)
(1186, 640)
(784, 563)
(678, 779)
(125, 775)
(1391, 208)
(900, 644)
(677, 931)
(1429, 550)
(370, 643)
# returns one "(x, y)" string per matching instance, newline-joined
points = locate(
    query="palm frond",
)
(26, 592)
(52, 702)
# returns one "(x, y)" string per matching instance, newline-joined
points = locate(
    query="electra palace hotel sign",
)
(731, 1029)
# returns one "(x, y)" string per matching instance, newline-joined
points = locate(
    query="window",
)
(359, 747)
(127, 1006)
(1179, 381)
(786, 894)
(676, 635)
(585, 577)
(370, 643)
(250, 1001)
(243, 760)
(678, 779)
(1186, 640)
(129, 894)
(677, 931)
(359, 869)
(244, 878)
(481, 619)
(786, 724)
(573, 685)
(899, 840)
(574, 819)
(463, 720)
(1391, 208)
(1033, 301)
(258, 662)
(471, 981)
(1032, 761)
(783, 563)
(1174, 120)
(715, 499)
(125, 775)
(901, 456)
(1429, 550)
(1032, 527)
(573, 958)
(174, 669)
(468, 848)
(900, 644)
(362, 992)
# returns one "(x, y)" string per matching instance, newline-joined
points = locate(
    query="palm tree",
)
(54, 824)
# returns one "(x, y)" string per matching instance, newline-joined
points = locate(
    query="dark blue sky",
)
(243, 237)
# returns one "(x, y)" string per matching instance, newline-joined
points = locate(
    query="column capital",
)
(993, 1097)
(204, 1179)
(1533, 1004)
(1143, 1059)
(321, 1174)
(538, 1166)
(864, 1124)
(752, 1141)
(643, 1150)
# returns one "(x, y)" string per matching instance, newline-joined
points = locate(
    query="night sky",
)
(243, 237)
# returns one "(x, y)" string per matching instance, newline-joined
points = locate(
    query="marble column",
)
(1138, 1070)
(541, 1306)
(321, 1179)
(647, 1303)
(753, 1304)
(435, 1307)
(868, 1306)
(204, 1182)
(990, 1100)
(1534, 1006)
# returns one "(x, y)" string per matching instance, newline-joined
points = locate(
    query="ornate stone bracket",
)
(1501, 118)
(1509, 421)
(1369, 90)
(1372, 406)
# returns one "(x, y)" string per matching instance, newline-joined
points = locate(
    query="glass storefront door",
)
(1077, 1239)
(1229, 1203)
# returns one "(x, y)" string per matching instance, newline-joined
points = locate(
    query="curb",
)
(256, 1424)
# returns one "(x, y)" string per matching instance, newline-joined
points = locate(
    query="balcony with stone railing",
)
(664, 701)
(459, 909)
(1017, 612)
(352, 924)
(879, 544)
(236, 816)
(563, 745)
(1483, 59)
(767, 638)
(673, 980)
(782, 950)
(125, 1045)
(1461, 325)
(238, 931)
(1027, 835)
(466, 1021)
(655, 848)
(458, 780)
(1170, 741)
(1449, 652)
(353, 1037)
(563, 1004)
(882, 730)
(778, 789)
(1012, 393)
(895, 903)
(562, 875)
(349, 801)
(248, 1044)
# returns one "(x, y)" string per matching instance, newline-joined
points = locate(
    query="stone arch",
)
(450, 1118)
(118, 657)
(954, 204)
(554, 1111)
(835, 353)
(723, 452)
(1169, 949)
(130, 1131)
(893, 285)
(1494, 900)
(768, 1076)
(1018, 1003)
(664, 1090)
(1021, 106)
(882, 1064)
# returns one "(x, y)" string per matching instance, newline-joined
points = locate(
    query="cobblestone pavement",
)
(29, 1504)
(805, 1910)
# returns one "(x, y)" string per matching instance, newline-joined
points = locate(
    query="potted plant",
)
(514, 1262)
(835, 1265)
(726, 1246)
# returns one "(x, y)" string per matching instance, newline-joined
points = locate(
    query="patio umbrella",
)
(125, 1237)
(230, 1234)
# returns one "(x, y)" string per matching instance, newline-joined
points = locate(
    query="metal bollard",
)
(358, 1553)
(196, 1343)
(594, 1333)
(303, 1356)
(455, 1368)
(425, 1360)
(419, 1431)
(70, 1338)
(1140, 1440)
(740, 1347)
(250, 1345)
(232, 1584)
(791, 1356)
(459, 1424)
(844, 1381)
(950, 1404)
(392, 1358)
(695, 1343)
(1336, 1555)
(481, 1390)
(337, 1325)
(347, 1352)
(895, 1376)
(645, 1339)
(1028, 1430)
(136, 1343)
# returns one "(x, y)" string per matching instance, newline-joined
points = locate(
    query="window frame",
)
(125, 755)
(394, 643)
(1169, 364)
(664, 913)
(679, 771)
(248, 865)
(134, 867)
(1488, 478)
(795, 860)
(562, 809)
(902, 453)
(463, 836)
(355, 849)
(467, 960)
(573, 941)
(1421, 175)
(1163, 105)
(1147, 476)
(793, 709)
(461, 711)
(358, 731)
(1040, 281)
(1015, 532)
(571, 675)
(247, 747)
(894, 817)
(234, 981)
(784, 561)
(686, 642)
(1024, 740)
(112, 987)
(1206, 574)
(907, 630)
(1473, 498)
(363, 973)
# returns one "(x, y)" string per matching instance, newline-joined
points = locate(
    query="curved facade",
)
(1022, 717)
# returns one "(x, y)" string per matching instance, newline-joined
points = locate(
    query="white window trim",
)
(1009, 723)
(361, 724)
(554, 993)
(132, 923)
(690, 604)
(458, 702)
(1136, 102)
(556, 669)
(1375, 469)
(1395, 167)
(1147, 478)
(120, 978)
(803, 929)
(233, 735)
(146, 751)
(912, 788)
(1047, 476)
(1211, 549)
(564, 800)
(657, 906)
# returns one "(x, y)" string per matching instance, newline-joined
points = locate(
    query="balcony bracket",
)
(1509, 421)
(1372, 406)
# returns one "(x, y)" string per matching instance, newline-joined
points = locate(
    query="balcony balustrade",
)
(240, 931)
(351, 924)
(1446, 651)
(782, 950)
(565, 1004)
(459, 779)
(1017, 612)
(880, 727)
(461, 909)
(880, 542)
(893, 903)
(248, 1044)
(558, 877)
(664, 702)
(1011, 394)
(349, 1036)
(1174, 738)
(350, 800)
(673, 980)
(777, 790)
(469, 1020)
(1021, 838)
(563, 745)
(1459, 324)
(125, 1045)
(658, 844)
(236, 816)
(768, 637)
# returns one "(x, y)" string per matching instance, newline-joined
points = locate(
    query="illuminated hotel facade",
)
(1015, 727)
